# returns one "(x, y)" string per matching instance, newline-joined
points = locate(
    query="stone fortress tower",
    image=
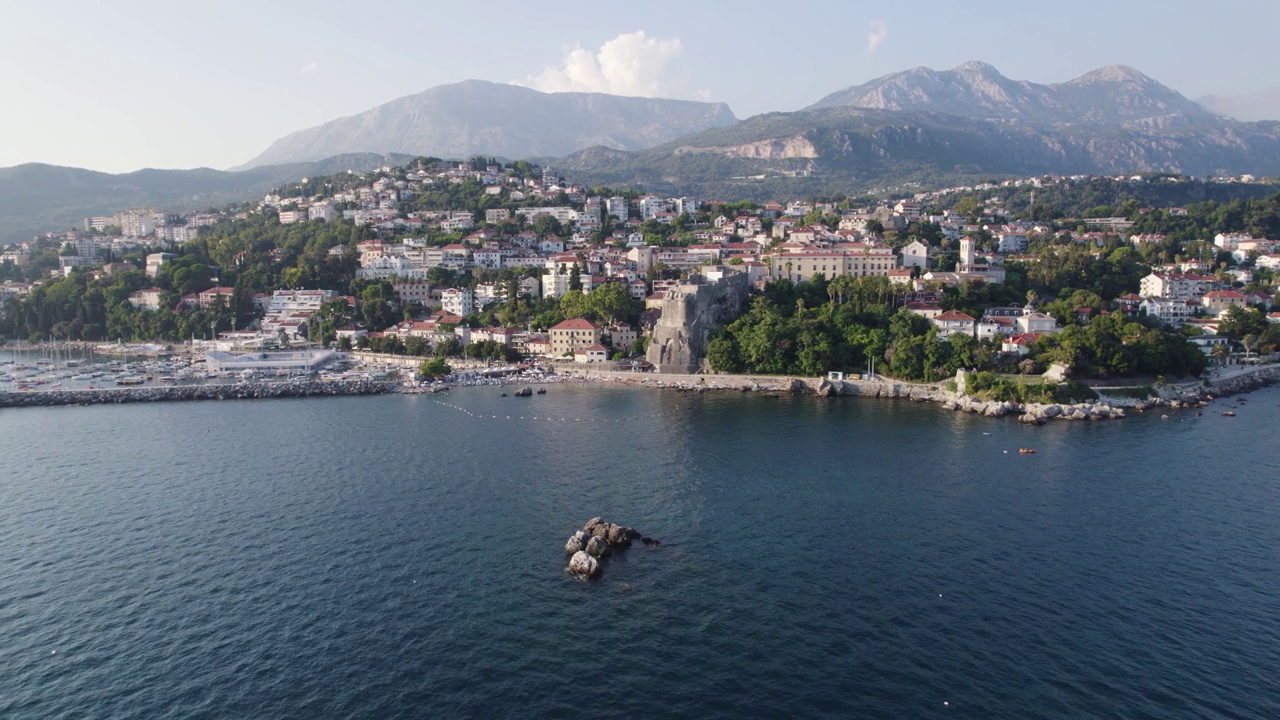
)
(690, 312)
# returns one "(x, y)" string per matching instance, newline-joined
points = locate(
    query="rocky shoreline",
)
(1107, 407)
(237, 391)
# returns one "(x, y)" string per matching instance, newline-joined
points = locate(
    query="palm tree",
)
(1220, 352)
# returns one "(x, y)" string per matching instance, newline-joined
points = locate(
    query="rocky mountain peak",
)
(477, 117)
(1115, 95)
(977, 67)
(1115, 74)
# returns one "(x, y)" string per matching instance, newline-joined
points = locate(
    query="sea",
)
(402, 557)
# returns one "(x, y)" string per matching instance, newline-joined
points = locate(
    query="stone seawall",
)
(238, 391)
(1245, 381)
(1104, 408)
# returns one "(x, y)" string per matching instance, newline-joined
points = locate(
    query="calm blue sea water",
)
(393, 557)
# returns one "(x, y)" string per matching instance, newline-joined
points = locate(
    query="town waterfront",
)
(400, 556)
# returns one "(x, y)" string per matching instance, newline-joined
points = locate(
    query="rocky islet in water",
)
(588, 547)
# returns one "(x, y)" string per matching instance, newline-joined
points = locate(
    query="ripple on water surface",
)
(397, 557)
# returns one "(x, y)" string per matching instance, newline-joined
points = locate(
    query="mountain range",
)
(929, 126)
(916, 126)
(1112, 96)
(483, 118)
(1264, 105)
(37, 198)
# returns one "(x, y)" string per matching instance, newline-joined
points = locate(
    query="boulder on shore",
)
(583, 565)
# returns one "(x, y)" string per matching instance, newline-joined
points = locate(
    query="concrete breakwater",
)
(237, 391)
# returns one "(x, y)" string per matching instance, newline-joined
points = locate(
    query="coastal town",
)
(481, 263)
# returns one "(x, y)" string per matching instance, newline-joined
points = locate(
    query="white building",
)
(563, 215)
(148, 299)
(293, 301)
(915, 254)
(321, 211)
(1270, 262)
(686, 206)
(1012, 242)
(952, 322)
(1174, 311)
(178, 234)
(1178, 287)
(650, 206)
(136, 223)
(1230, 241)
(458, 301)
(155, 260)
(389, 266)
(620, 208)
(67, 263)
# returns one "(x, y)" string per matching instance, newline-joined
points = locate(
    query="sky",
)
(130, 84)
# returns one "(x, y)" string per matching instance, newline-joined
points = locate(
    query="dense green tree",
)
(434, 368)
(575, 278)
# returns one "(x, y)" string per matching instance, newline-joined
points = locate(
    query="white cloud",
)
(877, 33)
(309, 68)
(629, 64)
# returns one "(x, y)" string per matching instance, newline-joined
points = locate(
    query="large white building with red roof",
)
(574, 334)
(952, 322)
(1176, 287)
(1216, 302)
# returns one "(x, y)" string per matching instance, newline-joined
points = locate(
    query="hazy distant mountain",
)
(848, 150)
(1111, 96)
(37, 198)
(919, 126)
(1263, 105)
(483, 118)
(928, 126)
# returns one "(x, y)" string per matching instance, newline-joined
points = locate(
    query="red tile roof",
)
(576, 324)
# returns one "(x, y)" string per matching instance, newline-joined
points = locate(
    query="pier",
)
(237, 391)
